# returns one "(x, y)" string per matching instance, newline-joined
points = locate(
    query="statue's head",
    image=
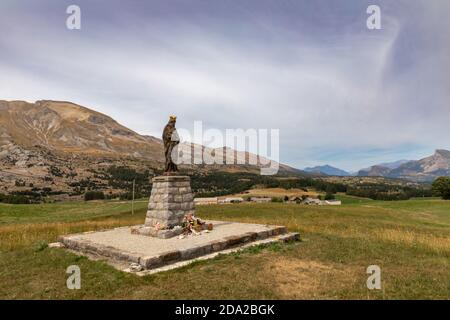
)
(173, 119)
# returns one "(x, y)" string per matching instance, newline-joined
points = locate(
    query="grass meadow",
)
(409, 240)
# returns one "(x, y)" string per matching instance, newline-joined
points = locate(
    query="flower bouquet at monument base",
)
(193, 225)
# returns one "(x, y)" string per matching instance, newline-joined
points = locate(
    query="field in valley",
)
(275, 192)
(409, 240)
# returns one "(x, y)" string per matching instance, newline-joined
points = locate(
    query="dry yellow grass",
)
(294, 278)
(17, 236)
(439, 244)
(409, 240)
(276, 192)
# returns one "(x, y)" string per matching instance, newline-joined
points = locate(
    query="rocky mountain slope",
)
(66, 147)
(328, 170)
(389, 165)
(70, 128)
(374, 171)
(423, 170)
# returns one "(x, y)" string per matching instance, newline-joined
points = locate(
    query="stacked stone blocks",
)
(171, 199)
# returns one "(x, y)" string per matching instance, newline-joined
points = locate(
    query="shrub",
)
(94, 195)
(19, 183)
(441, 187)
(40, 245)
(15, 199)
(329, 196)
(129, 196)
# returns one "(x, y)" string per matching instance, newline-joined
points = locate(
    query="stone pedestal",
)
(171, 199)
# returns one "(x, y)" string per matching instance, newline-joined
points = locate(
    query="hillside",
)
(328, 170)
(423, 170)
(69, 128)
(62, 147)
(375, 171)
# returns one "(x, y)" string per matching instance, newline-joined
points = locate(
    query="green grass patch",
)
(409, 240)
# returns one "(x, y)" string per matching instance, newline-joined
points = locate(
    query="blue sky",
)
(339, 93)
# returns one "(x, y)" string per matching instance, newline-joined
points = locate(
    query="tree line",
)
(222, 183)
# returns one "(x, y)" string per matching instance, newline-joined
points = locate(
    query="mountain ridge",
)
(56, 144)
(69, 127)
(328, 170)
(423, 170)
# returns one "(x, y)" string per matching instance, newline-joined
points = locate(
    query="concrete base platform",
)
(120, 247)
(153, 232)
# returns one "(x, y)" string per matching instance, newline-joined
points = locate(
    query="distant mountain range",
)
(389, 165)
(65, 146)
(423, 170)
(328, 170)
